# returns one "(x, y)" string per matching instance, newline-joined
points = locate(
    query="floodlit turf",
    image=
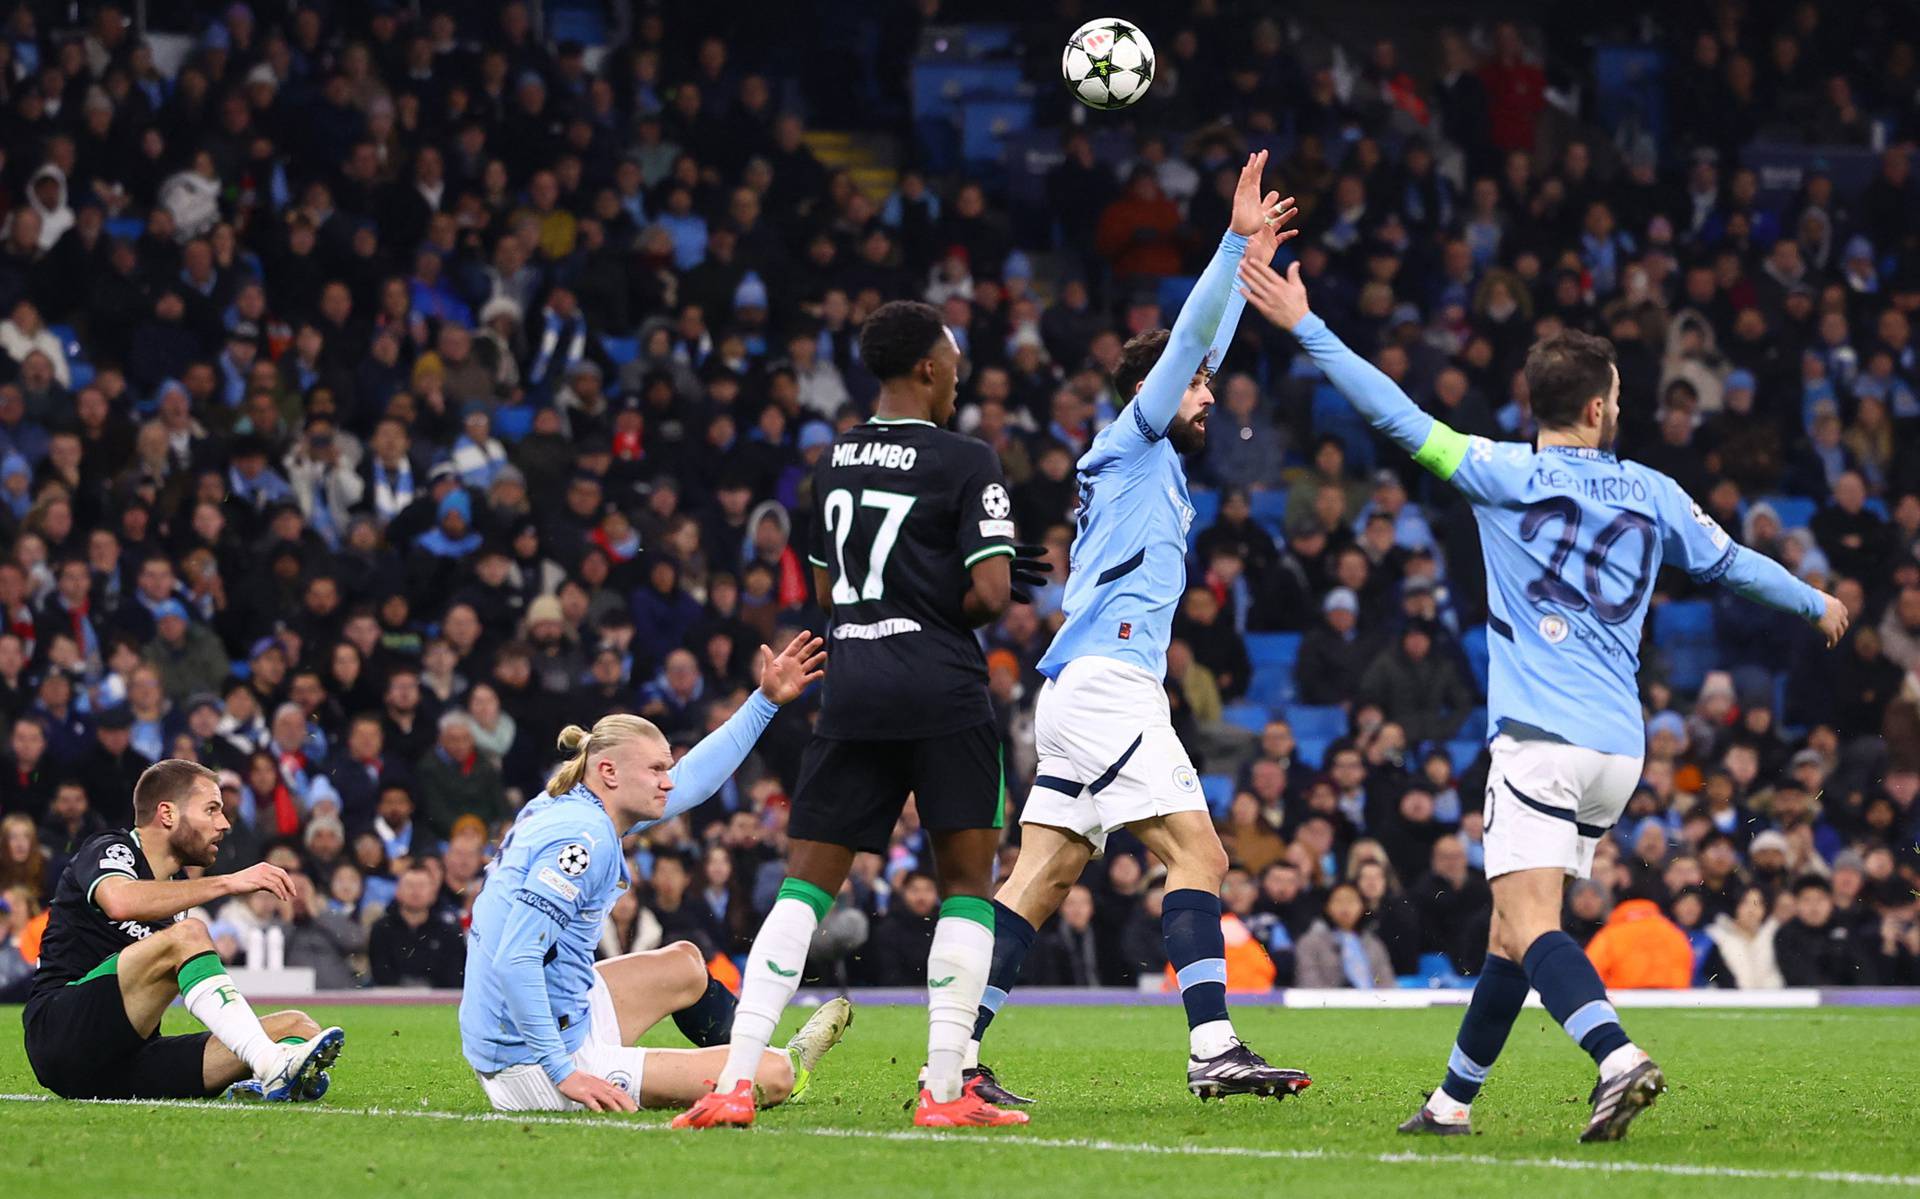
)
(1763, 1103)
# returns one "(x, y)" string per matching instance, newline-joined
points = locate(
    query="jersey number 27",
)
(839, 515)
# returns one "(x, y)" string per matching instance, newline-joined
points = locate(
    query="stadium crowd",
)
(381, 392)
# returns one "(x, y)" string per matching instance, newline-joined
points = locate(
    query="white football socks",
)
(767, 984)
(209, 994)
(957, 968)
(1446, 1109)
(1621, 1060)
(1210, 1039)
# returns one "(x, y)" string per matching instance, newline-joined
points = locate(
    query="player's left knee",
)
(774, 1079)
(290, 1023)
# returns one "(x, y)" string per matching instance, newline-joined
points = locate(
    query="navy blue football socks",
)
(1197, 951)
(1571, 988)
(708, 1020)
(1012, 938)
(1497, 999)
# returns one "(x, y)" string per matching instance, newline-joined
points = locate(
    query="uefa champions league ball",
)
(1108, 63)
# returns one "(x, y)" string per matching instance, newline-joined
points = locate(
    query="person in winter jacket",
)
(47, 194)
(1742, 954)
(192, 197)
(1639, 947)
(24, 332)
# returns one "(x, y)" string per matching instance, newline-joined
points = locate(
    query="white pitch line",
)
(1025, 1141)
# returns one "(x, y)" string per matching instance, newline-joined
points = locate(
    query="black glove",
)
(1030, 571)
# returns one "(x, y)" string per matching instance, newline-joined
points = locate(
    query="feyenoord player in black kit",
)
(913, 548)
(117, 952)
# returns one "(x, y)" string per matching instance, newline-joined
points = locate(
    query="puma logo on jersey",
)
(891, 455)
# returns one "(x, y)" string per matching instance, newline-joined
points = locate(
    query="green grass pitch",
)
(1763, 1103)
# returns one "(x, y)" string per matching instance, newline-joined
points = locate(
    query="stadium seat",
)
(1273, 649)
(1172, 293)
(1206, 510)
(1269, 510)
(1474, 642)
(1312, 750)
(1463, 751)
(80, 372)
(1218, 788)
(1794, 511)
(1683, 629)
(1271, 686)
(621, 349)
(1322, 722)
(1249, 716)
(126, 228)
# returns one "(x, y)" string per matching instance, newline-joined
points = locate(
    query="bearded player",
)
(1108, 754)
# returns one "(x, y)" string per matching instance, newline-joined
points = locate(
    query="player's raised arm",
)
(1202, 317)
(1695, 542)
(783, 677)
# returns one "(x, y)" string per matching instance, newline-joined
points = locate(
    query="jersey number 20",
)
(839, 517)
(1553, 589)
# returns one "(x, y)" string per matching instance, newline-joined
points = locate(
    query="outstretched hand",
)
(1273, 232)
(1282, 299)
(1250, 208)
(799, 666)
(1030, 570)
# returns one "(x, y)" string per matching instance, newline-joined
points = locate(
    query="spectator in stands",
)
(1415, 688)
(1639, 947)
(410, 945)
(1743, 945)
(1813, 949)
(1340, 950)
(1334, 655)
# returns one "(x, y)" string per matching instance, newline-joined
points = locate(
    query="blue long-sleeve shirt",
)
(1128, 565)
(537, 922)
(1572, 538)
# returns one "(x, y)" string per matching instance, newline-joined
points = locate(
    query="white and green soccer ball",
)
(1108, 63)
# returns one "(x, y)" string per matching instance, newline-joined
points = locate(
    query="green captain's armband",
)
(1443, 451)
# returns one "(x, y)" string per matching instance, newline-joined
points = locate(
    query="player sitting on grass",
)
(1572, 538)
(117, 952)
(1109, 757)
(547, 1029)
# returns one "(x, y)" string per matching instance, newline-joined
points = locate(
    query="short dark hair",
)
(899, 334)
(1136, 359)
(168, 781)
(1564, 372)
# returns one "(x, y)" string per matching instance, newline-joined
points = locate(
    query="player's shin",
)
(772, 975)
(209, 994)
(1012, 939)
(708, 1020)
(1571, 989)
(1498, 997)
(957, 967)
(1197, 951)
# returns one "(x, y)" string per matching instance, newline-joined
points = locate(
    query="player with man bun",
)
(545, 1027)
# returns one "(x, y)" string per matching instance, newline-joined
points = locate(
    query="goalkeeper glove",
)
(1030, 570)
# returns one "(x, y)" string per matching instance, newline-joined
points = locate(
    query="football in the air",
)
(1108, 63)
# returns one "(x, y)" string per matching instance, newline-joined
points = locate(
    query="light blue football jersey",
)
(1573, 539)
(1128, 567)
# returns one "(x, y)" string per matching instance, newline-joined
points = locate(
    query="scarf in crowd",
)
(555, 330)
(392, 491)
(1353, 960)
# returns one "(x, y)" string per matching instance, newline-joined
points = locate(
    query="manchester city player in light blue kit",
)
(1572, 538)
(543, 1026)
(1108, 754)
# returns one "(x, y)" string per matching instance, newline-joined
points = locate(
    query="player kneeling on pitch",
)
(117, 951)
(544, 1027)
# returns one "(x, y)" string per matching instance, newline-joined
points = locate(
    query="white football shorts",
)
(1108, 753)
(1548, 804)
(526, 1088)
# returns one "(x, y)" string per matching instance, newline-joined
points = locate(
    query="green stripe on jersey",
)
(1000, 807)
(1443, 451)
(981, 555)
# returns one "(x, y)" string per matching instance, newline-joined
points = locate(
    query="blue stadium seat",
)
(1794, 511)
(1312, 750)
(1273, 649)
(1474, 642)
(1218, 788)
(1321, 722)
(1271, 686)
(621, 349)
(69, 341)
(1206, 510)
(81, 372)
(1463, 752)
(1683, 629)
(1249, 716)
(1269, 510)
(126, 228)
(1172, 293)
